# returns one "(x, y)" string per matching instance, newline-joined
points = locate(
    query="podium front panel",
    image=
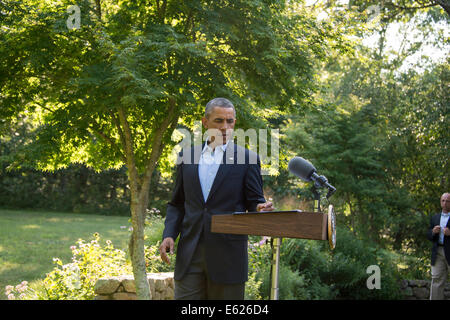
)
(300, 225)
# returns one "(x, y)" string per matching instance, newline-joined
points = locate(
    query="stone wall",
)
(420, 289)
(123, 287)
(162, 286)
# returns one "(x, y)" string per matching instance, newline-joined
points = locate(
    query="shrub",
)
(341, 273)
(292, 283)
(347, 269)
(90, 262)
(308, 260)
(259, 258)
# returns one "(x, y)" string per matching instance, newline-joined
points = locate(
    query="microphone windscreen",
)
(301, 168)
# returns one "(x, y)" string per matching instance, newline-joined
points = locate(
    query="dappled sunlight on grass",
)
(30, 226)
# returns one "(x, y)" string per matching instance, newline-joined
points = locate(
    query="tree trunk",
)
(138, 206)
(137, 247)
(139, 187)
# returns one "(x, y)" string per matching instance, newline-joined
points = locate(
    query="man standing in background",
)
(439, 234)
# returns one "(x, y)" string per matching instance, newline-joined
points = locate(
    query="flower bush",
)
(20, 291)
(90, 261)
(259, 257)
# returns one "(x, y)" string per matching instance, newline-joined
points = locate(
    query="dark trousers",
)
(195, 285)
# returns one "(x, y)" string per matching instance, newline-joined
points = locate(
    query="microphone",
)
(307, 172)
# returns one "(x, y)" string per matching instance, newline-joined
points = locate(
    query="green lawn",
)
(30, 240)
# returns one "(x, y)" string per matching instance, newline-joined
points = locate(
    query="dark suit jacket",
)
(237, 187)
(434, 221)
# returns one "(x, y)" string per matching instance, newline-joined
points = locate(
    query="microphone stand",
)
(319, 183)
(275, 243)
(316, 192)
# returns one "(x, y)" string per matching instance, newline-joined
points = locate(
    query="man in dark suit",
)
(218, 177)
(439, 234)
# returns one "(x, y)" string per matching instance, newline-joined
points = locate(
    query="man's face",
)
(445, 202)
(221, 121)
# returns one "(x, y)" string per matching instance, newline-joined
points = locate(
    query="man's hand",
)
(436, 229)
(266, 206)
(446, 231)
(166, 246)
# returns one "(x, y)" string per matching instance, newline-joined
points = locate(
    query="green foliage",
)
(90, 262)
(259, 257)
(20, 291)
(76, 188)
(404, 10)
(154, 225)
(30, 239)
(156, 63)
(380, 138)
(153, 260)
(76, 280)
(293, 283)
(252, 288)
(310, 271)
(341, 273)
(348, 264)
(30, 246)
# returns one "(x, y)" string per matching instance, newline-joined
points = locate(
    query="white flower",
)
(21, 288)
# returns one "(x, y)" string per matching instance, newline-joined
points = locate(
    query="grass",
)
(29, 240)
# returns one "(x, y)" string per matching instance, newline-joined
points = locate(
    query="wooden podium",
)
(285, 224)
(279, 224)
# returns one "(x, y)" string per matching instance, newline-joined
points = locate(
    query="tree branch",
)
(98, 8)
(169, 122)
(95, 128)
(119, 129)
(423, 6)
(44, 107)
(127, 141)
(161, 10)
(445, 5)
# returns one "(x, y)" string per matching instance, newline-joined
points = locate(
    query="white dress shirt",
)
(209, 165)
(443, 224)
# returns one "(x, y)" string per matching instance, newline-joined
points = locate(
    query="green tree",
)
(379, 134)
